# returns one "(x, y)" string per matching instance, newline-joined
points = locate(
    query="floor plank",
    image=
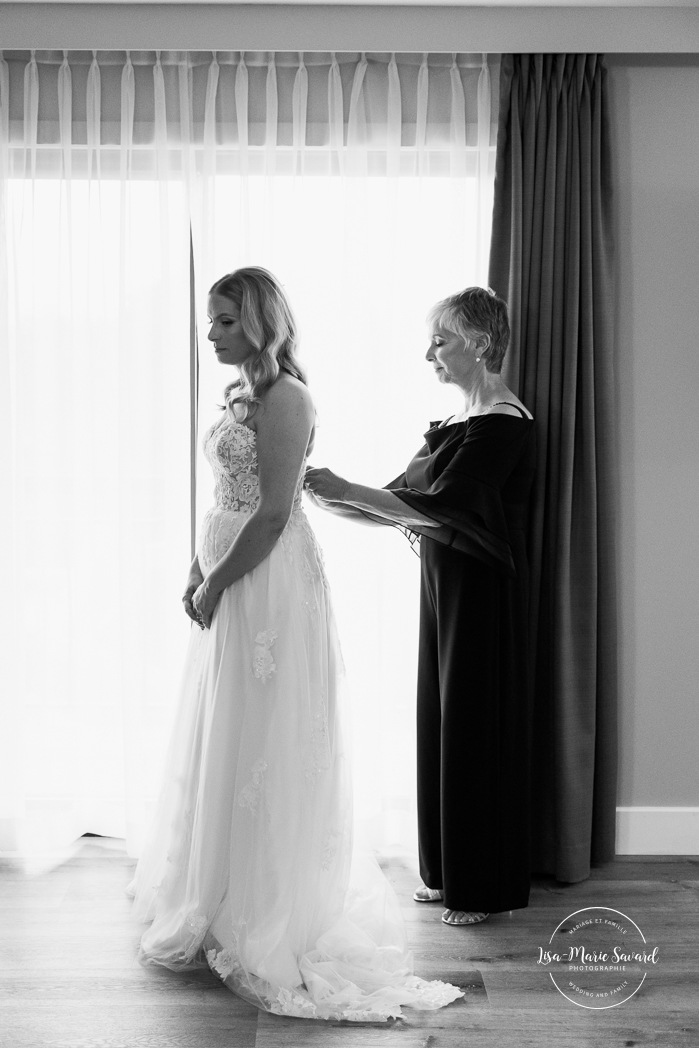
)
(69, 976)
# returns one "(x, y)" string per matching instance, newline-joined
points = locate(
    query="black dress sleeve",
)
(411, 534)
(456, 481)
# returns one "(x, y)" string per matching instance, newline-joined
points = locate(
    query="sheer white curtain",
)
(364, 182)
(94, 446)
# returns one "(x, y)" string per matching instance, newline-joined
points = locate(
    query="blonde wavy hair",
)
(269, 325)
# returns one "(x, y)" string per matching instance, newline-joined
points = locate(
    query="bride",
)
(250, 866)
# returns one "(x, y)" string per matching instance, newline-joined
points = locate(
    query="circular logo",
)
(598, 957)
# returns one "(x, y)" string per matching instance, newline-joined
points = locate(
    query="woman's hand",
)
(326, 485)
(193, 583)
(204, 602)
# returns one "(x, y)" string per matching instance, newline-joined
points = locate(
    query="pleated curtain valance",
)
(286, 111)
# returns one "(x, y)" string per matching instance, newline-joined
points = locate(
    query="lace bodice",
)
(231, 450)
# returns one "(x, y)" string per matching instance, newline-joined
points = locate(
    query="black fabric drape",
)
(551, 256)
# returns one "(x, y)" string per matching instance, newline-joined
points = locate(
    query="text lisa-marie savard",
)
(581, 955)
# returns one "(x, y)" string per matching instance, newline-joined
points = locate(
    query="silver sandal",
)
(424, 894)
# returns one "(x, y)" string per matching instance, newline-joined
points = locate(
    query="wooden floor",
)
(69, 979)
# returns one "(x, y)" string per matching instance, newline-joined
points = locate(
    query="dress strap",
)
(516, 406)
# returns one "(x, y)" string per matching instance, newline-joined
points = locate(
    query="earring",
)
(477, 359)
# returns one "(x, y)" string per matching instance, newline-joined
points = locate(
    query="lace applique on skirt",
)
(263, 665)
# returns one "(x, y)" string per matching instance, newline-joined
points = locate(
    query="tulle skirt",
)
(249, 866)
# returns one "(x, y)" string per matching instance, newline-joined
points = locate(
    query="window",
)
(370, 201)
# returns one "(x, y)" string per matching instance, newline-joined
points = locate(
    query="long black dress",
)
(473, 704)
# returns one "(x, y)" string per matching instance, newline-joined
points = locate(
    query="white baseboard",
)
(657, 831)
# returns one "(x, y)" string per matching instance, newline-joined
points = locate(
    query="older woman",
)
(465, 493)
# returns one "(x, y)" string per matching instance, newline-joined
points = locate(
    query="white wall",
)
(655, 103)
(349, 26)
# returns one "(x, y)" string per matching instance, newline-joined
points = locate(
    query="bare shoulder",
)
(287, 397)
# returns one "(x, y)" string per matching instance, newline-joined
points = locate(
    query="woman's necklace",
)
(462, 416)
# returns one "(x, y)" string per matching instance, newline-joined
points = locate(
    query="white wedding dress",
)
(249, 866)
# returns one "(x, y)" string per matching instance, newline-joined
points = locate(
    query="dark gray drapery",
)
(551, 256)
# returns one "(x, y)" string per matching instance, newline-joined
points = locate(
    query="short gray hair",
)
(478, 313)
